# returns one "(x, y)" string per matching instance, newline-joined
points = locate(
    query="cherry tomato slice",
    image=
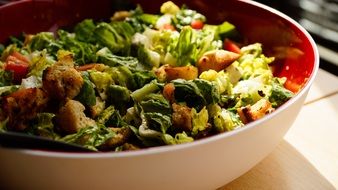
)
(18, 64)
(169, 27)
(197, 24)
(231, 46)
(292, 86)
(20, 56)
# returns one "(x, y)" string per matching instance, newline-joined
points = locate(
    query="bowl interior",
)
(281, 37)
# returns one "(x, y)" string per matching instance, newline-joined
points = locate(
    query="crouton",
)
(97, 108)
(62, 80)
(185, 72)
(216, 60)
(121, 137)
(169, 73)
(254, 112)
(120, 15)
(92, 66)
(128, 146)
(22, 106)
(169, 92)
(71, 117)
(182, 117)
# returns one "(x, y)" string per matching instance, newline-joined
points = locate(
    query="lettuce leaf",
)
(6, 78)
(199, 120)
(279, 94)
(110, 117)
(196, 93)
(43, 126)
(39, 62)
(44, 40)
(116, 36)
(156, 103)
(87, 93)
(84, 30)
(83, 52)
(90, 137)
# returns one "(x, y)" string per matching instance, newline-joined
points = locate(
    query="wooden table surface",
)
(307, 158)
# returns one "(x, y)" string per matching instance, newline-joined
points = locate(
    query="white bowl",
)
(205, 164)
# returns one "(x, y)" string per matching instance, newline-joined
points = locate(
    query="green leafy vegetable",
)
(199, 120)
(107, 57)
(43, 126)
(179, 138)
(6, 90)
(158, 121)
(141, 93)
(187, 91)
(90, 137)
(142, 78)
(226, 30)
(6, 78)
(223, 120)
(119, 96)
(209, 91)
(87, 92)
(185, 47)
(149, 19)
(110, 117)
(156, 103)
(101, 81)
(279, 94)
(3, 125)
(84, 52)
(116, 36)
(220, 79)
(40, 61)
(196, 93)
(84, 30)
(191, 45)
(17, 41)
(2, 48)
(148, 57)
(44, 40)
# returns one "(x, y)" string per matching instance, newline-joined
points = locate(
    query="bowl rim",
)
(208, 140)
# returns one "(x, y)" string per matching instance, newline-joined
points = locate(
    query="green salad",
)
(139, 80)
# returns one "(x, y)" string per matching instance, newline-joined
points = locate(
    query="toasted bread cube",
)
(216, 60)
(71, 117)
(254, 112)
(62, 80)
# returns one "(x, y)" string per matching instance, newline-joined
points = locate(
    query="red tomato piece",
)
(231, 46)
(197, 24)
(20, 56)
(169, 92)
(169, 27)
(18, 64)
(292, 86)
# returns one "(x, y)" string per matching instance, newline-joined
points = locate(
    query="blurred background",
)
(320, 18)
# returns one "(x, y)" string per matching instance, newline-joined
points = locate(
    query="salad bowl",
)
(207, 163)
